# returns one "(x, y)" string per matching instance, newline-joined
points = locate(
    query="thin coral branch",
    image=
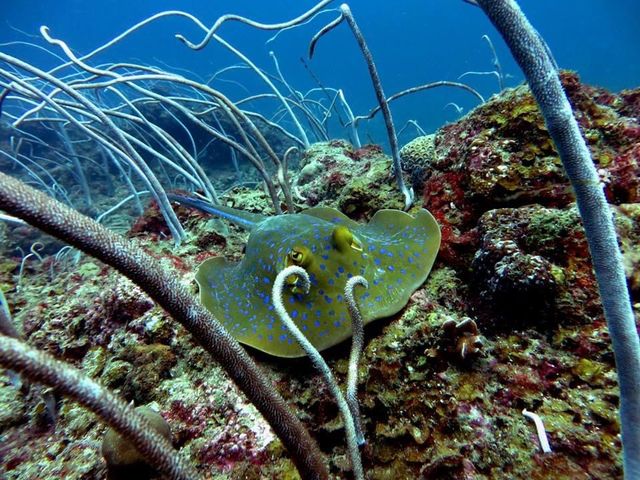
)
(357, 343)
(262, 26)
(318, 361)
(384, 105)
(323, 31)
(420, 88)
(495, 61)
(7, 326)
(377, 87)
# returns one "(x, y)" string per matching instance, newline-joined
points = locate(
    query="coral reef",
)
(513, 272)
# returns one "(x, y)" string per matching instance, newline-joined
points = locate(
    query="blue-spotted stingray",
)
(394, 252)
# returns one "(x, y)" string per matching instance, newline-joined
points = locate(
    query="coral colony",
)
(512, 353)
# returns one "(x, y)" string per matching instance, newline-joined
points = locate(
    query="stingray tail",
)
(242, 219)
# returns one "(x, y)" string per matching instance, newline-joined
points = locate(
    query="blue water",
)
(413, 42)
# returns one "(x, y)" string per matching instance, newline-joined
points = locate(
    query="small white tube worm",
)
(542, 433)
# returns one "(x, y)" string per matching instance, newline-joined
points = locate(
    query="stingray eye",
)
(296, 257)
(300, 256)
(344, 240)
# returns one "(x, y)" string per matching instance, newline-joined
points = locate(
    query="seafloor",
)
(436, 403)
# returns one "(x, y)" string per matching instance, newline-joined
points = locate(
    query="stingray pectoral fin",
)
(242, 305)
(433, 232)
(401, 260)
(390, 221)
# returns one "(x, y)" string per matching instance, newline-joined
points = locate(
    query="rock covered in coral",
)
(500, 155)
(358, 181)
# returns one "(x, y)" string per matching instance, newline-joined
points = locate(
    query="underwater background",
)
(508, 319)
(415, 42)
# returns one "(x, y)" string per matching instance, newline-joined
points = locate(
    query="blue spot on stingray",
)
(328, 299)
(377, 261)
(294, 314)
